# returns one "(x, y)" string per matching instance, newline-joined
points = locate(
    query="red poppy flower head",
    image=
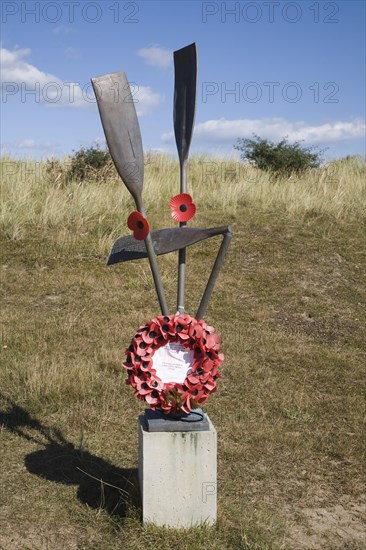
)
(139, 225)
(183, 209)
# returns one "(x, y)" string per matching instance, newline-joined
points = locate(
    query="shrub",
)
(88, 162)
(282, 158)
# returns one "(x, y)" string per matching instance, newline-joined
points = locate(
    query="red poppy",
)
(213, 341)
(183, 209)
(152, 398)
(142, 387)
(196, 331)
(167, 326)
(185, 319)
(139, 225)
(205, 376)
(184, 336)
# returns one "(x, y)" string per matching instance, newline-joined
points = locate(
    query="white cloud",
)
(22, 78)
(224, 131)
(146, 100)
(26, 144)
(156, 56)
(334, 131)
(15, 69)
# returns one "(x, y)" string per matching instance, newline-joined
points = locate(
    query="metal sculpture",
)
(122, 131)
(121, 128)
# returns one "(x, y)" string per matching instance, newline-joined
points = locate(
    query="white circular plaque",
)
(173, 362)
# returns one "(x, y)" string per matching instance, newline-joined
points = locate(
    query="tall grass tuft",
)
(37, 196)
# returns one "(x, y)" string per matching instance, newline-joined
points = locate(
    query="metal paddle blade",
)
(122, 131)
(164, 241)
(185, 69)
(121, 128)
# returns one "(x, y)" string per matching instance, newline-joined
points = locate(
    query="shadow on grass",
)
(100, 483)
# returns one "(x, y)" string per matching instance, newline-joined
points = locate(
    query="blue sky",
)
(294, 69)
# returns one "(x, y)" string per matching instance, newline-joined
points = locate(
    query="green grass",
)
(290, 307)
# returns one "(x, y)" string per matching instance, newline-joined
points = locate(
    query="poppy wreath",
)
(200, 382)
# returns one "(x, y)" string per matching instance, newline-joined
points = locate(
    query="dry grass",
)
(290, 307)
(37, 195)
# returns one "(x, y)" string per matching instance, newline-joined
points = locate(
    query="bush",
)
(282, 158)
(88, 162)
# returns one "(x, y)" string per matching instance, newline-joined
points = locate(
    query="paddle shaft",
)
(153, 262)
(214, 274)
(182, 252)
(185, 89)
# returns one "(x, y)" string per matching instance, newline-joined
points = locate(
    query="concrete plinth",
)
(178, 476)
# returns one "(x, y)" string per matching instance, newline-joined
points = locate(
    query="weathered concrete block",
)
(178, 476)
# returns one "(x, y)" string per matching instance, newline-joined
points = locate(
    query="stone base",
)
(178, 476)
(196, 421)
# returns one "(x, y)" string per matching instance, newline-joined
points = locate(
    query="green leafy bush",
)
(88, 162)
(282, 158)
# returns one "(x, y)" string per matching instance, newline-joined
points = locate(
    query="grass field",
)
(290, 306)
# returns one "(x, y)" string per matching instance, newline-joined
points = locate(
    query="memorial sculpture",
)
(173, 360)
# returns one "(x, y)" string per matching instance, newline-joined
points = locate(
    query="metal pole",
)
(156, 275)
(214, 273)
(182, 251)
(154, 265)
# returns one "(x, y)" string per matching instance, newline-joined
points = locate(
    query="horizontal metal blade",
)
(164, 241)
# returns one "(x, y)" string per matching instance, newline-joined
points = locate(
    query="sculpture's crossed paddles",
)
(121, 128)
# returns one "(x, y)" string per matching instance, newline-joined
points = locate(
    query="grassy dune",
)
(35, 197)
(290, 305)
